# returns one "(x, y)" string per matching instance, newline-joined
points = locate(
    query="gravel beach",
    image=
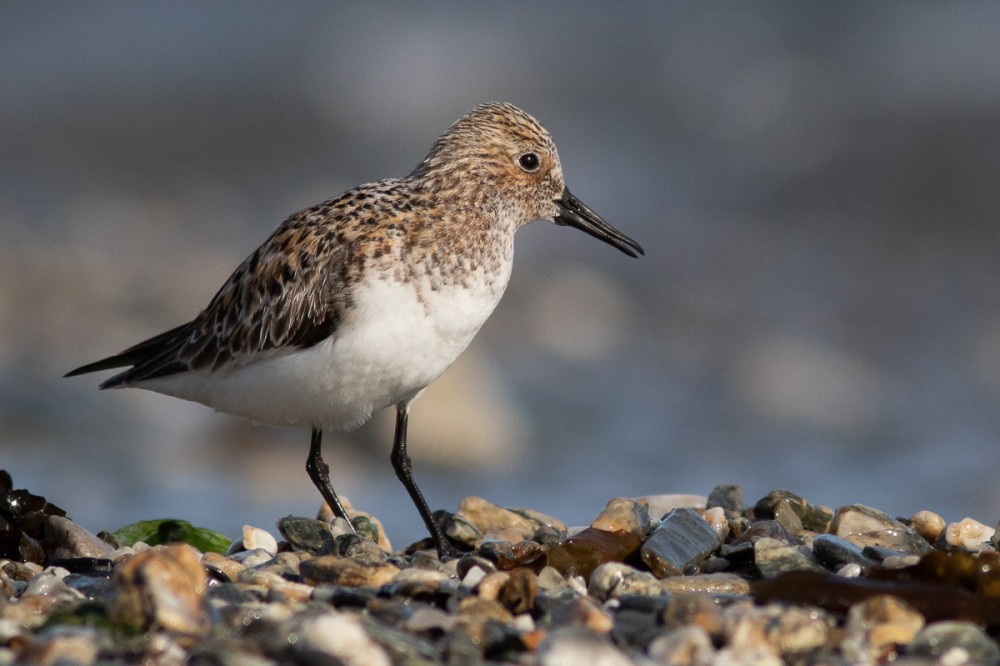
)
(664, 579)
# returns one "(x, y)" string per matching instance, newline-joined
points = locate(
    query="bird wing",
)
(290, 293)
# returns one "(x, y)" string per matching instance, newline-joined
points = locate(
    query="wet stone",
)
(728, 498)
(928, 524)
(506, 555)
(784, 513)
(356, 548)
(810, 517)
(345, 571)
(774, 558)
(865, 526)
(969, 534)
(616, 579)
(624, 514)
(834, 551)
(684, 646)
(304, 533)
(679, 544)
(583, 552)
(956, 643)
(763, 529)
(582, 612)
(878, 628)
(573, 645)
(164, 586)
(715, 584)
(488, 518)
(68, 540)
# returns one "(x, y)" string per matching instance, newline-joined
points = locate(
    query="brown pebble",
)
(518, 594)
(163, 586)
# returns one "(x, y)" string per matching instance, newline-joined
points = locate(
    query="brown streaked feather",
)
(290, 293)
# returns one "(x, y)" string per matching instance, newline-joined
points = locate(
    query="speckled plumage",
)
(360, 302)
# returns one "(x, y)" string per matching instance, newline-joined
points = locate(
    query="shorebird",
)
(359, 303)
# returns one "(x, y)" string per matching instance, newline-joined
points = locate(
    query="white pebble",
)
(968, 533)
(254, 537)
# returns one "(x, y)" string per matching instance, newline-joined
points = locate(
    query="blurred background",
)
(816, 185)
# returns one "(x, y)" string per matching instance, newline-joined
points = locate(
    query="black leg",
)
(319, 472)
(401, 463)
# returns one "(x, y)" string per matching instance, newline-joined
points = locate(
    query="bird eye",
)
(528, 161)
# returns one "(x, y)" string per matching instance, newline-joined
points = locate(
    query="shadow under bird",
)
(362, 301)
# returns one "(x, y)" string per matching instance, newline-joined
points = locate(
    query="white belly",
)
(387, 350)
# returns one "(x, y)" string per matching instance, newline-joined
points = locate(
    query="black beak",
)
(573, 213)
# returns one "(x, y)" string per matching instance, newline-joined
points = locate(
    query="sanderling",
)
(361, 302)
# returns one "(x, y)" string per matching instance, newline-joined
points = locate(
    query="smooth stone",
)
(634, 629)
(337, 636)
(968, 533)
(716, 583)
(716, 518)
(877, 627)
(745, 630)
(762, 529)
(624, 514)
(49, 582)
(796, 630)
(550, 581)
(681, 542)
(727, 498)
(345, 571)
(661, 505)
(865, 526)
(814, 518)
(489, 587)
(428, 619)
(163, 587)
(575, 645)
(228, 567)
(485, 516)
(834, 551)
(616, 579)
(697, 609)
(583, 612)
(254, 538)
(684, 646)
(305, 534)
(95, 588)
(69, 540)
(785, 514)
(353, 546)
(774, 558)
(549, 528)
(474, 616)
(956, 643)
(507, 555)
(928, 524)
(64, 645)
(519, 591)
(583, 552)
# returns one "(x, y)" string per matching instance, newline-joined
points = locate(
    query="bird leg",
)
(401, 463)
(319, 472)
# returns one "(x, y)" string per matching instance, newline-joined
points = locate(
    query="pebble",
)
(163, 587)
(928, 524)
(969, 534)
(865, 526)
(878, 628)
(681, 542)
(761, 588)
(69, 540)
(956, 643)
(774, 557)
(623, 514)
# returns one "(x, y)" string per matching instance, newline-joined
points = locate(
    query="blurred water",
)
(815, 185)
